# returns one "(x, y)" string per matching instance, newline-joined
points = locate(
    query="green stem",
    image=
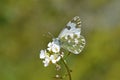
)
(67, 56)
(67, 68)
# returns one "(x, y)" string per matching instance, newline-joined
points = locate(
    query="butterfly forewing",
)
(72, 27)
(77, 21)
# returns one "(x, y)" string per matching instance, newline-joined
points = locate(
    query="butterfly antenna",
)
(51, 34)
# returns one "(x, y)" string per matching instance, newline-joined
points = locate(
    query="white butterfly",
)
(70, 38)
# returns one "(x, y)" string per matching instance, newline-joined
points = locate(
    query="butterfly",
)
(70, 37)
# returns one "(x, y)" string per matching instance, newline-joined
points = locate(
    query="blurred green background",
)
(24, 27)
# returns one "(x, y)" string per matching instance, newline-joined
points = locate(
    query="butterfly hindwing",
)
(74, 45)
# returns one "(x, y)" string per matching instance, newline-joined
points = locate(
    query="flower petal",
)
(42, 54)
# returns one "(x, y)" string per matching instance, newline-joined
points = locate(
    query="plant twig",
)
(67, 68)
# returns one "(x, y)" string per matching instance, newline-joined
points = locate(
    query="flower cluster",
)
(51, 54)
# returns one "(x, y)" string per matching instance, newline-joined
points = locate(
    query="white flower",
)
(53, 47)
(47, 58)
(49, 46)
(52, 54)
(46, 61)
(55, 58)
(44, 55)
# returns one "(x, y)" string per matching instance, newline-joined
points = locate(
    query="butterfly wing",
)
(72, 27)
(70, 38)
(75, 45)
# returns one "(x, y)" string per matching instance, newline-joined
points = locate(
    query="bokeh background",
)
(24, 27)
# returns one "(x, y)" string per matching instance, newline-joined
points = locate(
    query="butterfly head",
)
(56, 41)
